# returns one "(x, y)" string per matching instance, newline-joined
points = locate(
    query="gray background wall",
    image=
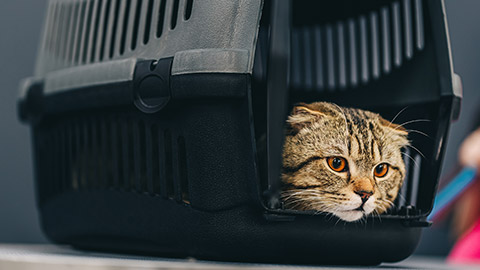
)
(20, 24)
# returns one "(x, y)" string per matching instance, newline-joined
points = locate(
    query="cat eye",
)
(381, 170)
(337, 164)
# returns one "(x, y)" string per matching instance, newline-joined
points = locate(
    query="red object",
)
(467, 248)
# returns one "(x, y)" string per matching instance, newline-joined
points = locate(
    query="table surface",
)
(52, 257)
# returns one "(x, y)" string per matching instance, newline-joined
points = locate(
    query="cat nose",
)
(364, 194)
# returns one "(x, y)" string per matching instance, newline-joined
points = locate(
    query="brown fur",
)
(320, 130)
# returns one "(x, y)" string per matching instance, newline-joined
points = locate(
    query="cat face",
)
(343, 161)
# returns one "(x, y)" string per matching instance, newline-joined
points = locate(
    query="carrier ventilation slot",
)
(136, 24)
(354, 51)
(84, 31)
(161, 18)
(102, 152)
(188, 10)
(105, 29)
(148, 22)
(173, 22)
(407, 197)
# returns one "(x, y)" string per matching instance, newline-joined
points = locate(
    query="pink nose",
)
(364, 194)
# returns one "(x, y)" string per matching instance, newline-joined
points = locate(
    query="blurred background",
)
(20, 25)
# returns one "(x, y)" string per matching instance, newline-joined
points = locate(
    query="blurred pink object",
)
(467, 248)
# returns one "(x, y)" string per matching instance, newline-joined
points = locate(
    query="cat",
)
(343, 161)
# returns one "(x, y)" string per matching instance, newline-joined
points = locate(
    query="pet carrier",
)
(146, 117)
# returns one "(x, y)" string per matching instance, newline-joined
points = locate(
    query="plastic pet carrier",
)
(146, 118)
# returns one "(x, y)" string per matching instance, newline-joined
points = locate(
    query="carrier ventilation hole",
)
(148, 22)
(161, 18)
(91, 157)
(59, 30)
(47, 38)
(182, 169)
(357, 50)
(100, 160)
(155, 135)
(82, 154)
(99, 152)
(72, 33)
(174, 14)
(130, 157)
(140, 158)
(96, 25)
(168, 177)
(86, 31)
(136, 24)
(104, 30)
(119, 150)
(57, 150)
(56, 28)
(408, 194)
(188, 10)
(64, 22)
(126, 16)
(80, 34)
(61, 34)
(115, 29)
(108, 156)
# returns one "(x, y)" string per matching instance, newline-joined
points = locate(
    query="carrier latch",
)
(152, 85)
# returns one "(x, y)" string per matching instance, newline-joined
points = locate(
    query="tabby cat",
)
(343, 161)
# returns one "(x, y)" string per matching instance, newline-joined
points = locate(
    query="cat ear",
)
(303, 115)
(305, 109)
(392, 127)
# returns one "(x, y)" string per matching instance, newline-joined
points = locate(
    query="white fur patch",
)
(348, 210)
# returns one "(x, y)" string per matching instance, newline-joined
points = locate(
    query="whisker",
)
(413, 121)
(386, 206)
(382, 208)
(413, 147)
(289, 202)
(402, 110)
(389, 203)
(419, 132)
(402, 197)
(338, 220)
(289, 194)
(329, 216)
(414, 161)
(378, 214)
(403, 124)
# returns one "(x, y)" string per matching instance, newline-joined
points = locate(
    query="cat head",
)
(343, 161)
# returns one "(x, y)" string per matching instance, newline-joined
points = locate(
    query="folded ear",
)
(392, 127)
(401, 133)
(304, 115)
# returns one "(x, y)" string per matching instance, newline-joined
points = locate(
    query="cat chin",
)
(352, 215)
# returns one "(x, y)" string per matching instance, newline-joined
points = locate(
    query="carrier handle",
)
(277, 95)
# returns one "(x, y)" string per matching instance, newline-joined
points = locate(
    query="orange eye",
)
(381, 170)
(337, 164)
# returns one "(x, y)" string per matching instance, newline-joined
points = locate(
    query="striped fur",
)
(320, 130)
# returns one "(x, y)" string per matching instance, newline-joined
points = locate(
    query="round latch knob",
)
(152, 94)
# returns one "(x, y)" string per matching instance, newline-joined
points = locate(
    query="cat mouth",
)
(350, 215)
(360, 208)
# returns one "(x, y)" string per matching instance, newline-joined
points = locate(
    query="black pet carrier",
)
(146, 118)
